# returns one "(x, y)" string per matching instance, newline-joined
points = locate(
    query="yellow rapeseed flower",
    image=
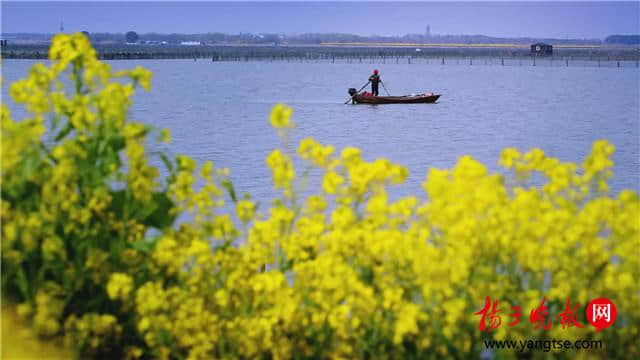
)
(280, 117)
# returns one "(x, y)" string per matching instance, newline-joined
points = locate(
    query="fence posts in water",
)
(615, 61)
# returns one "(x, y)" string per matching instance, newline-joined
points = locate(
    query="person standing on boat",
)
(375, 81)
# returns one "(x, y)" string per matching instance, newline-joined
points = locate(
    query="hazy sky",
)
(508, 19)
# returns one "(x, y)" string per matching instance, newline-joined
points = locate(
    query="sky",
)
(502, 19)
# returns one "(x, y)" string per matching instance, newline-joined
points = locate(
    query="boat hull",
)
(416, 99)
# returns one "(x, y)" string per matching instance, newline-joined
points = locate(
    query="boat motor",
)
(352, 91)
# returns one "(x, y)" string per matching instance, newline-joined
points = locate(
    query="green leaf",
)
(164, 337)
(64, 132)
(117, 201)
(117, 142)
(167, 162)
(227, 184)
(23, 283)
(161, 216)
(144, 245)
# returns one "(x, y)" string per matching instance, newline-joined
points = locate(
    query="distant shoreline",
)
(460, 45)
(360, 52)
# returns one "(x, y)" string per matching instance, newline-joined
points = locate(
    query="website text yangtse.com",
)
(545, 345)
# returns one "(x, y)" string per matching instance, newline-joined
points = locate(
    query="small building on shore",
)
(131, 38)
(541, 49)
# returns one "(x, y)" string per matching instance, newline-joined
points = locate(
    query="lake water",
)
(219, 111)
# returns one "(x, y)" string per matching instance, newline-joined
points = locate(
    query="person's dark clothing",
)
(375, 81)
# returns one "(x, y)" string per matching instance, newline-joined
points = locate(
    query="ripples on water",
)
(219, 111)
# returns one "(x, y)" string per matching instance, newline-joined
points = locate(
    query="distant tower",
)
(428, 31)
(61, 27)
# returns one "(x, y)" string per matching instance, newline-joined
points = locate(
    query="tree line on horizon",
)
(316, 38)
(623, 39)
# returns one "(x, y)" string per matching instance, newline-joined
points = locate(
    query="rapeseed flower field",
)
(92, 253)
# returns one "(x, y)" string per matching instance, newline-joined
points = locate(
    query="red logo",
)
(601, 313)
(570, 317)
(539, 315)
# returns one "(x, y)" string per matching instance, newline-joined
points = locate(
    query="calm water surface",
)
(219, 111)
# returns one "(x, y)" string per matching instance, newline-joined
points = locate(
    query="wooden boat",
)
(407, 99)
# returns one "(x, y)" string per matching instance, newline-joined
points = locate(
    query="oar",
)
(385, 88)
(351, 98)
